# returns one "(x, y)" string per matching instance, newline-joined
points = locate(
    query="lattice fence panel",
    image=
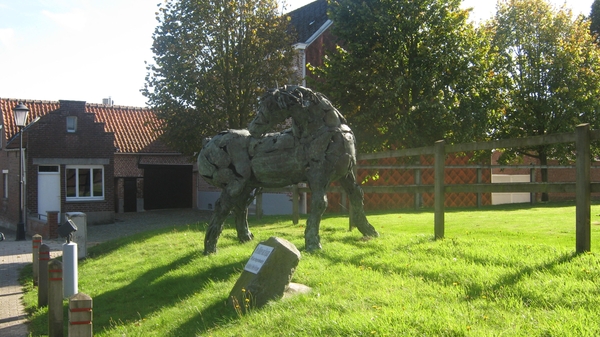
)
(399, 177)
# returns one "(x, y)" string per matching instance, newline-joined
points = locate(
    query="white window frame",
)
(77, 196)
(73, 127)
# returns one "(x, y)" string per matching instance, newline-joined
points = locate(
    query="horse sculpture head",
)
(309, 111)
(274, 107)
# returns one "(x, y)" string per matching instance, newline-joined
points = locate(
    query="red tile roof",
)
(133, 127)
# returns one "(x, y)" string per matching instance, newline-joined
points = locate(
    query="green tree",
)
(550, 71)
(212, 60)
(407, 73)
(595, 20)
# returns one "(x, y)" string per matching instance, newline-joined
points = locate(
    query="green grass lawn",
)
(500, 271)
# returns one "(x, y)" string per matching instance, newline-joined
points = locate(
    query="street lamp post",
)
(21, 112)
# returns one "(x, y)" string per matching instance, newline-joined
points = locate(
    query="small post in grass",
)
(36, 241)
(80, 315)
(55, 299)
(44, 258)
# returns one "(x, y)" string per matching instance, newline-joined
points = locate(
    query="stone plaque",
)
(266, 276)
(258, 258)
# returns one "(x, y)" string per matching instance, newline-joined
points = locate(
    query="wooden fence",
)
(583, 187)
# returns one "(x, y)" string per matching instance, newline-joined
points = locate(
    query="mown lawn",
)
(500, 271)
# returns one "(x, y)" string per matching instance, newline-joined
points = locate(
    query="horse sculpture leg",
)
(223, 206)
(215, 226)
(355, 194)
(240, 209)
(318, 204)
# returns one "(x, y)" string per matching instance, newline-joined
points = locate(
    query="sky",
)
(88, 50)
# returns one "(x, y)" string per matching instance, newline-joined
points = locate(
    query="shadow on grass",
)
(152, 291)
(511, 279)
(198, 229)
(108, 247)
(213, 315)
(513, 276)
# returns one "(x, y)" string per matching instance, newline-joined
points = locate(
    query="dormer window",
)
(71, 123)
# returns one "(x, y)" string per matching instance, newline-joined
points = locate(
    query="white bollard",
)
(70, 274)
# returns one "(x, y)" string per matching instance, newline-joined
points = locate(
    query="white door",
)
(48, 190)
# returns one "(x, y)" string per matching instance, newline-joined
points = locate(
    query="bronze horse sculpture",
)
(318, 148)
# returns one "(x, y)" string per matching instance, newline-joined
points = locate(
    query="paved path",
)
(14, 255)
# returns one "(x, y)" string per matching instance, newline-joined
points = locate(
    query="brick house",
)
(92, 158)
(312, 29)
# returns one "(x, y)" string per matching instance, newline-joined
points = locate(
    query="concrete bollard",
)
(70, 274)
(55, 299)
(80, 315)
(44, 258)
(36, 241)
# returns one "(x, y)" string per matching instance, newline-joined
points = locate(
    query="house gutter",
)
(301, 46)
(320, 31)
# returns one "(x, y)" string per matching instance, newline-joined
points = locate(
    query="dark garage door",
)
(167, 186)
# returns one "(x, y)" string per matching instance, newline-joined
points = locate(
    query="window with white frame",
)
(71, 123)
(84, 182)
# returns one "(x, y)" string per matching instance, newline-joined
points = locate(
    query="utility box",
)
(79, 236)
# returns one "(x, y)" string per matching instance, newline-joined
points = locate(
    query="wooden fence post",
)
(479, 180)
(417, 194)
(440, 159)
(80, 315)
(55, 299)
(344, 202)
(44, 258)
(350, 208)
(582, 189)
(36, 241)
(295, 206)
(532, 179)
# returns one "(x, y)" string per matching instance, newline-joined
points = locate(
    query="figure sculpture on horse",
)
(318, 148)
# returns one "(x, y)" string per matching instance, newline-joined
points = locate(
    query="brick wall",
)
(126, 165)
(9, 212)
(50, 142)
(315, 53)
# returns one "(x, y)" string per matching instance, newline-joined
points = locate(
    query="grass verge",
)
(508, 270)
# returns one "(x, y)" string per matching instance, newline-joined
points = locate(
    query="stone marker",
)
(80, 315)
(266, 276)
(44, 259)
(36, 241)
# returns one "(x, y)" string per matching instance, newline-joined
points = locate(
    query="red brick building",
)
(312, 29)
(92, 158)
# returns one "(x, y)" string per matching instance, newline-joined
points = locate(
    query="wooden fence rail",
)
(583, 187)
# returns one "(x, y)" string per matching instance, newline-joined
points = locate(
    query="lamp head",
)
(66, 230)
(21, 111)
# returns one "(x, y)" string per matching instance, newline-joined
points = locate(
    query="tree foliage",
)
(407, 73)
(212, 60)
(550, 71)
